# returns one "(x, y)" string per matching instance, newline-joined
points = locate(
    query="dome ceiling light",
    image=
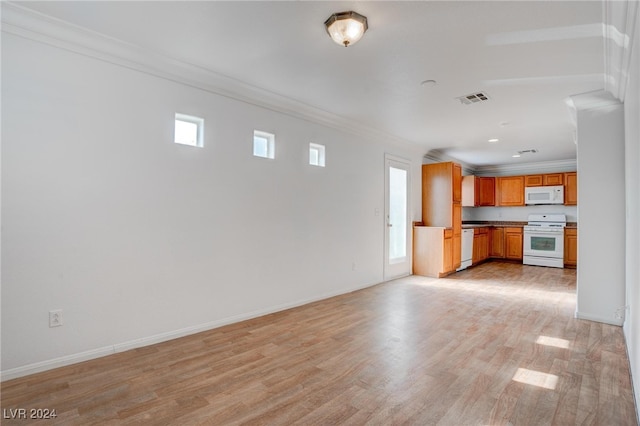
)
(346, 28)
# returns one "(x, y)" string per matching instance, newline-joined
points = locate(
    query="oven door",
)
(544, 243)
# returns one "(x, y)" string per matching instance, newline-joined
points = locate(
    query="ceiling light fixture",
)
(493, 140)
(346, 28)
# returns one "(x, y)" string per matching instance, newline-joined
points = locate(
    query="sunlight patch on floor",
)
(536, 378)
(553, 341)
(495, 289)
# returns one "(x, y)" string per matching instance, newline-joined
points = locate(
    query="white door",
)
(397, 235)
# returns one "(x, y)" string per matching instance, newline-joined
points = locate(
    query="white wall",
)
(632, 167)
(138, 239)
(601, 195)
(516, 214)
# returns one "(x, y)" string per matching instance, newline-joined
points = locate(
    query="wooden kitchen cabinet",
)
(571, 189)
(510, 191)
(480, 245)
(533, 180)
(441, 197)
(447, 262)
(553, 179)
(549, 179)
(441, 185)
(433, 251)
(457, 182)
(513, 240)
(570, 247)
(468, 191)
(496, 242)
(478, 191)
(486, 189)
(457, 235)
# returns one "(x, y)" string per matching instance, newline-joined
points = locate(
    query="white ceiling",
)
(527, 56)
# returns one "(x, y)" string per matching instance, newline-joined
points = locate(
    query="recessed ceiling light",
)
(428, 83)
(516, 155)
(493, 140)
(504, 124)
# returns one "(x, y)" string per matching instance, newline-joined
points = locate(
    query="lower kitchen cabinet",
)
(570, 247)
(433, 251)
(513, 240)
(480, 245)
(496, 242)
(456, 209)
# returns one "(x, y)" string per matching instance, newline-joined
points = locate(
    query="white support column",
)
(601, 207)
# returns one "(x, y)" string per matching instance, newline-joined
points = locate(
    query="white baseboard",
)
(39, 367)
(597, 318)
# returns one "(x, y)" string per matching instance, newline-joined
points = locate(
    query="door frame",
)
(404, 268)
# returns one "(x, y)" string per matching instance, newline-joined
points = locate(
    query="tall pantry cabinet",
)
(441, 207)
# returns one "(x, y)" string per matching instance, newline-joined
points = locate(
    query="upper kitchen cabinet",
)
(553, 179)
(549, 179)
(510, 191)
(478, 191)
(571, 189)
(457, 183)
(533, 180)
(441, 189)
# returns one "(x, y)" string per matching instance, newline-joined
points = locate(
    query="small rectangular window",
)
(189, 130)
(263, 144)
(316, 154)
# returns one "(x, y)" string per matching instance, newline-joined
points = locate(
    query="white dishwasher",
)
(467, 249)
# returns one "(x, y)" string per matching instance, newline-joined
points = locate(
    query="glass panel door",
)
(397, 222)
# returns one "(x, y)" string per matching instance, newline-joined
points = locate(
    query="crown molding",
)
(27, 23)
(437, 156)
(555, 166)
(619, 28)
(591, 100)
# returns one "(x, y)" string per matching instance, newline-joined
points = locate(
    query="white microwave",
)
(544, 195)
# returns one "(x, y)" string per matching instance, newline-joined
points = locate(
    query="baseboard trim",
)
(597, 318)
(66, 360)
(41, 366)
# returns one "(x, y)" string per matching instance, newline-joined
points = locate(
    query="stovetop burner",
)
(551, 220)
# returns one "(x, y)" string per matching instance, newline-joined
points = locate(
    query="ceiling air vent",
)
(473, 98)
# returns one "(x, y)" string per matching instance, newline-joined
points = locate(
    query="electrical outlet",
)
(55, 318)
(619, 313)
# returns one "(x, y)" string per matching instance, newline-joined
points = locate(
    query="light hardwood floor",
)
(492, 345)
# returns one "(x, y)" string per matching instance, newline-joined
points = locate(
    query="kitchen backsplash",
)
(520, 214)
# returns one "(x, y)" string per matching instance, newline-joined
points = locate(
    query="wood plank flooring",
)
(493, 345)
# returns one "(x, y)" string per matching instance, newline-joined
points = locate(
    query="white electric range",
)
(544, 240)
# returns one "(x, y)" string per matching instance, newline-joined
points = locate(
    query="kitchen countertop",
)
(510, 224)
(480, 224)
